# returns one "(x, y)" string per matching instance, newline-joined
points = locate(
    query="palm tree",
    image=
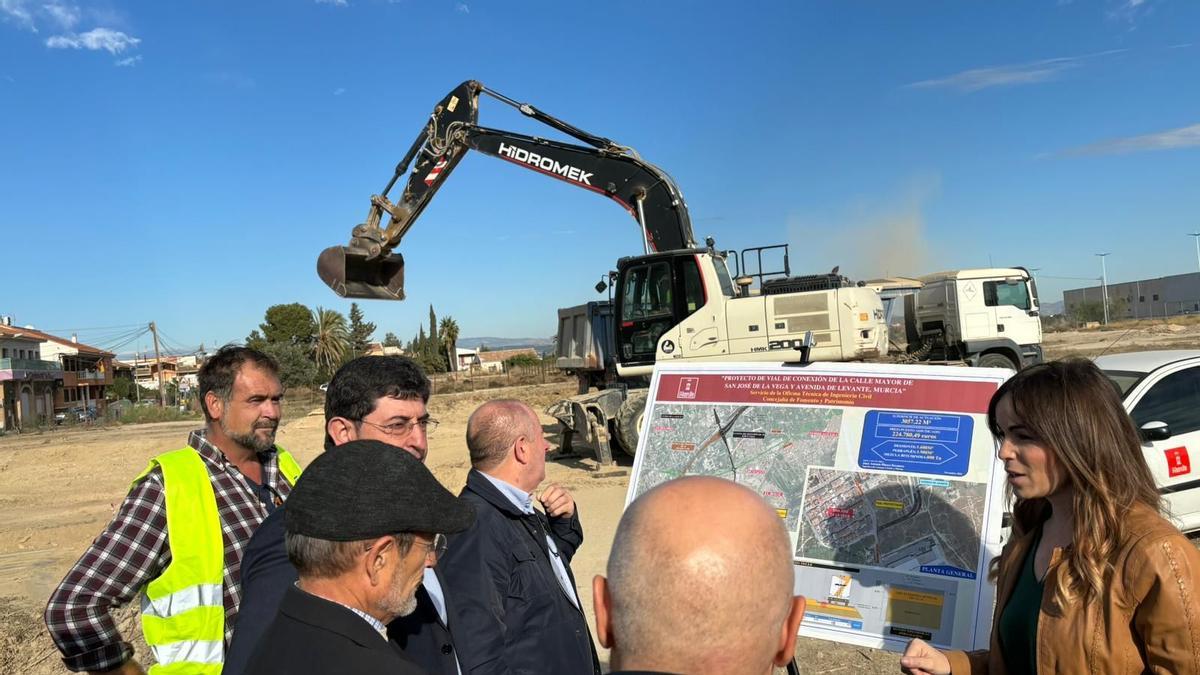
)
(448, 330)
(331, 338)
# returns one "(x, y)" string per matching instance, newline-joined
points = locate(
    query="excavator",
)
(369, 268)
(677, 300)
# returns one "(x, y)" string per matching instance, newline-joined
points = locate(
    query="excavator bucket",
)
(350, 274)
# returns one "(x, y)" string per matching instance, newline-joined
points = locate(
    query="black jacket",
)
(267, 574)
(423, 636)
(507, 603)
(313, 635)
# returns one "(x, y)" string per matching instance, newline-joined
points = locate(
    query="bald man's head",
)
(700, 579)
(494, 427)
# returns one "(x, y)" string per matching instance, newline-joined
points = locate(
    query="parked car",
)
(1161, 391)
(76, 414)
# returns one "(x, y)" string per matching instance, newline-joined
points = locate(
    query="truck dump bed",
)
(585, 337)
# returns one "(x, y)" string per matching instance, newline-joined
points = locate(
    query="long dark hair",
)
(1074, 411)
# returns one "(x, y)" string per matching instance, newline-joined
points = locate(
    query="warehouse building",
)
(1144, 298)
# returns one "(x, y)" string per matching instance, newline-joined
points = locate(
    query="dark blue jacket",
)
(507, 603)
(267, 574)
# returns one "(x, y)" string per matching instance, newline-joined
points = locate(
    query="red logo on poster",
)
(1178, 462)
(688, 387)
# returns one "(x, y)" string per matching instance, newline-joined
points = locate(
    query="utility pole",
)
(1196, 236)
(162, 392)
(1104, 283)
(137, 388)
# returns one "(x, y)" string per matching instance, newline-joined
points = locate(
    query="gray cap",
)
(367, 489)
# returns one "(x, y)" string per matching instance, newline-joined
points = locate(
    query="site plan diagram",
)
(763, 448)
(884, 477)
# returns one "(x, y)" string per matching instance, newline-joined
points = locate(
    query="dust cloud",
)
(873, 238)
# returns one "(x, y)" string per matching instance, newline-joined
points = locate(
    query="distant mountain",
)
(542, 345)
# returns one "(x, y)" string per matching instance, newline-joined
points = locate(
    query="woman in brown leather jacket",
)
(1094, 579)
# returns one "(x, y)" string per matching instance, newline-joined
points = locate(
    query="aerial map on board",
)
(767, 449)
(889, 520)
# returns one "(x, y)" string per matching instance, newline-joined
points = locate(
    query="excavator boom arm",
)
(367, 268)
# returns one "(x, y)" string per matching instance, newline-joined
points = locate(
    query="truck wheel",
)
(629, 421)
(995, 360)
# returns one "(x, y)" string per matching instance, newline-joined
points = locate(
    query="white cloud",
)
(66, 16)
(131, 61)
(18, 12)
(1128, 11)
(1034, 72)
(339, 91)
(1172, 139)
(336, 3)
(462, 8)
(111, 41)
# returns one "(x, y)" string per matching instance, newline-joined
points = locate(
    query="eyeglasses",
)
(437, 547)
(401, 429)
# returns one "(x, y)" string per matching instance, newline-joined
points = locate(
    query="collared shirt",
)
(375, 623)
(524, 501)
(134, 549)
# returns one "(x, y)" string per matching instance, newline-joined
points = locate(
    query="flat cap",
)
(366, 489)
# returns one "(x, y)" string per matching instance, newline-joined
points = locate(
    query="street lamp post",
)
(1104, 284)
(1196, 236)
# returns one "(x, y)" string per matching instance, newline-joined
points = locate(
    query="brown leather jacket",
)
(1146, 621)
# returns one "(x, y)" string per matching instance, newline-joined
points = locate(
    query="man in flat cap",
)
(362, 525)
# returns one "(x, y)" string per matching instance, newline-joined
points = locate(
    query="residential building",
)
(493, 361)
(27, 383)
(86, 372)
(146, 370)
(76, 374)
(379, 349)
(465, 359)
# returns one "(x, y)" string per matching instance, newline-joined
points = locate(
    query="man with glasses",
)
(380, 398)
(363, 525)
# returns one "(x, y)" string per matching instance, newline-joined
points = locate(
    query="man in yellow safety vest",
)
(178, 537)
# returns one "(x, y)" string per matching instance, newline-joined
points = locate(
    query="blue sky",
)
(185, 162)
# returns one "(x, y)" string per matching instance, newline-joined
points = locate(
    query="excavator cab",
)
(352, 273)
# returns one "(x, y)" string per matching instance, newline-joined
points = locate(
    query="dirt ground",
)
(59, 488)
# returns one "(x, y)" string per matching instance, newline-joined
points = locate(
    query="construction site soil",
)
(58, 488)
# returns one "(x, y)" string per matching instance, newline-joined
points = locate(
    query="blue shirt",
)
(436, 595)
(524, 501)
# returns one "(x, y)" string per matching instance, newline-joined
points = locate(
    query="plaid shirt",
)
(133, 550)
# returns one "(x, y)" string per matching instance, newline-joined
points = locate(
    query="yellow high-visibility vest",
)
(183, 610)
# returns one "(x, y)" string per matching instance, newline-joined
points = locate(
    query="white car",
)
(1161, 391)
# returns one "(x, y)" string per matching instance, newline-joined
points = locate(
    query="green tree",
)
(121, 387)
(296, 369)
(1088, 310)
(292, 323)
(522, 360)
(330, 338)
(390, 340)
(433, 328)
(255, 340)
(360, 331)
(448, 329)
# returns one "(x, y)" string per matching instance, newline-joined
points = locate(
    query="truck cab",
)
(987, 317)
